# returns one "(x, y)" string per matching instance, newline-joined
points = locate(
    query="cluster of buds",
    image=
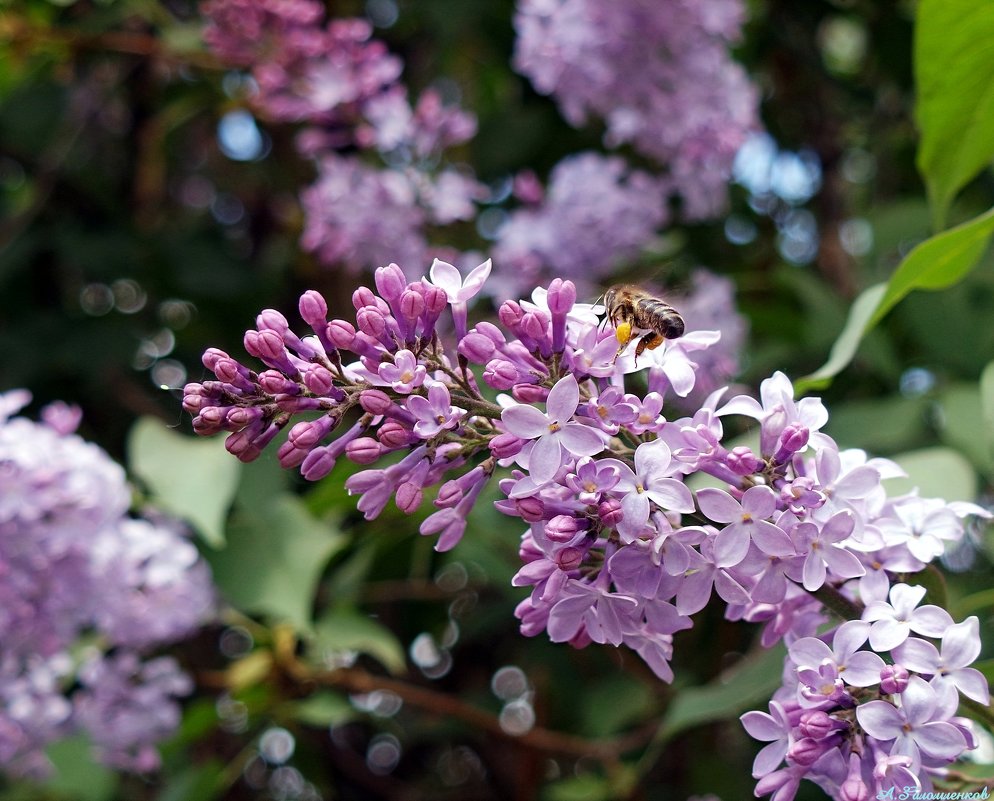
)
(619, 548)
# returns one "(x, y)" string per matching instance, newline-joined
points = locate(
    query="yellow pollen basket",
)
(624, 333)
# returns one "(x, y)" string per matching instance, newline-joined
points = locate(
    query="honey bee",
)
(631, 309)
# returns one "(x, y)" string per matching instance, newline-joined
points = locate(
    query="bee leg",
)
(623, 333)
(650, 341)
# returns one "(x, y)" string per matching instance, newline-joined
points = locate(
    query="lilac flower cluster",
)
(596, 215)
(627, 535)
(659, 75)
(344, 87)
(74, 565)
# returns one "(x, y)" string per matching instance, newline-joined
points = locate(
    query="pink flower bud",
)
(805, 751)
(476, 347)
(500, 374)
(341, 333)
(275, 383)
(289, 456)
(563, 528)
(272, 320)
(742, 461)
(504, 446)
(390, 281)
(561, 297)
(318, 379)
(313, 309)
(375, 401)
(211, 357)
(610, 513)
(411, 304)
(491, 332)
(449, 494)
(265, 345)
(510, 314)
(392, 435)
(241, 447)
(569, 558)
(435, 300)
(817, 725)
(529, 393)
(409, 497)
(531, 510)
(534, 325)
(363, 297)
(363, 450)
(371, 321)
(317, 464)
(893, 679)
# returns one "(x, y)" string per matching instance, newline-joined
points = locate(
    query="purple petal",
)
(566, 617)
(771, 539)
(475, 280)
(762, 726)
(447, 277)
(940, 739)
(879, 719)
(695, 591)
(918, 701)
(652, 458)
(635, 508)
(769, 758)
(849, 637)
(838, 527)
(972, 684)
(887, 634)
(546, 458)
(521, 420)
(680, 374)
(810, 651)
(743, 404)
(420, 407)
(730, 545)
(858, 483)
(563, 399)
(961, 643)
(760, 501)
(671, 494)
(719, 505)
(842, 563)
(918, 655)
(862, 669)
(932, 621)
(580, 440)
(814, 572)
(730, 591)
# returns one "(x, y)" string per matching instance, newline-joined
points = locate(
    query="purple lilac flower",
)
(658, 74)
(617, 549)
(73, 565)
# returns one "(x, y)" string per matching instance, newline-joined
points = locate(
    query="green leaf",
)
(847, 344)
(588, 787)
(936, 473)
(938, 262)
(610, 705)
(345, 629)
(77, 774)
(954, 74)
(324, 708)
(973, 603)
(961, 424)
(274, 558)
(189, 477)
(746, 685)
(194, 783)
(886, 425)
(987, 408)
(934, 582)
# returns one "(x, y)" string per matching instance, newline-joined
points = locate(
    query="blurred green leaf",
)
(192, 478)
(936, 473)
(934, 583)
(746, 685)
(973, 603)
(344, 629)
(194, 783)
(962, 424)
(611, 704)
(323, 708)
(885, 425)
(77, 774)
(273, 560)
(588, 787)
(847, 344)
(987, 407)
(954, 73)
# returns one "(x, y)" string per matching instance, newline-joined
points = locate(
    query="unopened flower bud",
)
(510, 314)
(371, 321)
(476, 347)
(341, 333)
(792, 439)
(561, 296)
(610, 512)
(390, 282)
(569, 558)
(272, 320)
(893, 679)
(500, 374)
(529, 393)
(504, 446)
(563, 528)
(743, 462)
(375, 401)
(392, 435)
(363, 298)
(435, 300)
(265, 345)
(817, 724)
(275, 383)
(289, 456)
(211, 357)
(409, 497)
(313, 309)
(412, 304)
(531, 510)
(318, 463)
(491, 332)
(805, 751)
(318, 379)
(449, 494)
(363, 450)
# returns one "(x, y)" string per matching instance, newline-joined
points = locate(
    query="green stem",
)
(836, 602)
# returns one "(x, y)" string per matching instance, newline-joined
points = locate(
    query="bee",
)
(631, 308)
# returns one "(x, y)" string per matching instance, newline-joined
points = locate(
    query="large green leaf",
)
(935, 473)
(344, 629)
(954, 73)
(189, 477)
(936, 263)
(961, 424)
(77, 774)
(745, 686)
(274, 558)
(987, 408)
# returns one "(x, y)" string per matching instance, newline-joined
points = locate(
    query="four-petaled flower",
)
(434, 413)
(552, 430)
(405, 374)
(747, 523)
(893, 622)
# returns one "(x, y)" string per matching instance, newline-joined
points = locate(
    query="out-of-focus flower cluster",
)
(618, 548)
(85, 590)
(658, 73)
(343, 85)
